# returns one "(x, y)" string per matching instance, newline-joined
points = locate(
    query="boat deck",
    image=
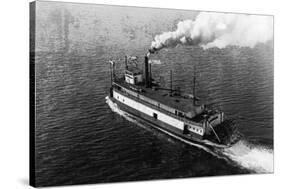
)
(162, 96)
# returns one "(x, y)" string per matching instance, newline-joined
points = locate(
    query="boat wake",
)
(255, 158)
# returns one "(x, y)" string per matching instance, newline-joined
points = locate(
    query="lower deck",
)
(167, 122)
(171, 131)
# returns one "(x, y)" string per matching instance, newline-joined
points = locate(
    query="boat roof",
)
(162, 96)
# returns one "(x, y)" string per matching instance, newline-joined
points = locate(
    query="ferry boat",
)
(181, 116)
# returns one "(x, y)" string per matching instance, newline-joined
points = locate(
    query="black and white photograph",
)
(124, 93)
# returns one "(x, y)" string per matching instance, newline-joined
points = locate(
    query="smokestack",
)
(146, 73)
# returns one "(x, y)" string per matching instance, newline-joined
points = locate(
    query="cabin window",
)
(185, 131)
(155, 115)
(180, 114)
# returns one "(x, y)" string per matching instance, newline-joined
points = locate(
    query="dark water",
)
(79, 139)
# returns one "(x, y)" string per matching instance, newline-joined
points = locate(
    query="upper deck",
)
(178, 105)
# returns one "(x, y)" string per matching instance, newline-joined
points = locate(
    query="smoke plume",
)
(218, 30)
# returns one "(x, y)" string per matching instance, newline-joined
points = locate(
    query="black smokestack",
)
(146, 72)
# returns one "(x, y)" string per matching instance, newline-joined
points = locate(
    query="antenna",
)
(110, 74)
(171, 81)
(194, 83)
(126, 62)
(150, 75)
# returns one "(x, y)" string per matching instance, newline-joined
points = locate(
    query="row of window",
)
(118, 98)
(197, 130)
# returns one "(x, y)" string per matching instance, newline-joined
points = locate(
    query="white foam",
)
(252, 157)
(113, 106)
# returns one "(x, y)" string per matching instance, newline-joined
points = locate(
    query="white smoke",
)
(218, 30)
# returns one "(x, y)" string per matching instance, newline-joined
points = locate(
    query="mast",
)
(171, 81)
(110, 73)
(126, 62)
(194, 83)
(150, 75)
